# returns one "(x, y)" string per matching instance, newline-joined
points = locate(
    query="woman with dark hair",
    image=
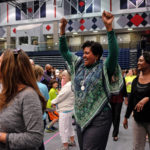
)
(92, 86)
(21, 104)
(139, 103)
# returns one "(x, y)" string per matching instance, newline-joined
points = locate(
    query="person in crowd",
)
(21, 104)
(57, 72)
(128, 79)
(0, 75)
(38, 70)
(58, 78)
(135, 72)
(53, 75)
(139, 103)
(32, 62)
(52, 113)
(92, 86)
(65, 107)
(47, 76)
(124, 73)
(116, 105)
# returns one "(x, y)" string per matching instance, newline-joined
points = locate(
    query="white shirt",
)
(65, 98)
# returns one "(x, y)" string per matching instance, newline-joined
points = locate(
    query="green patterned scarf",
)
(94, 98)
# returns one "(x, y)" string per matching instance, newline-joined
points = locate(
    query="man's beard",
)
(48, 73)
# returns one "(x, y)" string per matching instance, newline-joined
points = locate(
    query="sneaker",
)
(49, 130)
(54, 128)
(64, 148)
(72, 143)
(115, 138)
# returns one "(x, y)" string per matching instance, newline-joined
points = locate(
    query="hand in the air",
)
(107, 19)
(63, 23)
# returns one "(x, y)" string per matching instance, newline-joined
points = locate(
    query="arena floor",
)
(52, 140)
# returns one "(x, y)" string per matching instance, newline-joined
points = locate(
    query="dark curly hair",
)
(146, 56)
(96, 48)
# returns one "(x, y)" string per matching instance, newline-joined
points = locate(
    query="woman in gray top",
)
(21, 104)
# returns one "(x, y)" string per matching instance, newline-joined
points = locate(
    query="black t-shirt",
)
(138, 92)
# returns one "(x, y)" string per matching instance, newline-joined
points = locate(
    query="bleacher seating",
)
(127, 58)
(48, 57)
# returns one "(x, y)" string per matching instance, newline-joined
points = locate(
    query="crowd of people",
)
(33, 100)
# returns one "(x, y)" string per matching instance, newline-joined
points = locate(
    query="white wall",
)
(49, 13)
(116, 8)
(41, 31)
(75, 41)
(90, 38)
(103, 39)
(123, 38)
(29, 31)
(105, 5)
(12, 14)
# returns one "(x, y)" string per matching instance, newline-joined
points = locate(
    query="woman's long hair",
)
(16, 69)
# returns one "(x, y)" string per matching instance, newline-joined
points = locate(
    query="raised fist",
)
(107, 18)
(63, 23)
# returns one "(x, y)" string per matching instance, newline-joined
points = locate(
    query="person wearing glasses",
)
(93, 86)
(21, 104)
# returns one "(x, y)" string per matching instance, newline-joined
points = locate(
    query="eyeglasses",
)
(16, 52)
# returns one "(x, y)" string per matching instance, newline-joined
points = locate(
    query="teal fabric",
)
(67, 111)
(44, 90)
(94, 98)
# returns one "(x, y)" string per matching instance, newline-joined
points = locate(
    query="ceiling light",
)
(75, 33)
(130, 29)
(48, 36)
(95, 31)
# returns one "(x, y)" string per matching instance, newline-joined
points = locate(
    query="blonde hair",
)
(67, 74)
(38, 70)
